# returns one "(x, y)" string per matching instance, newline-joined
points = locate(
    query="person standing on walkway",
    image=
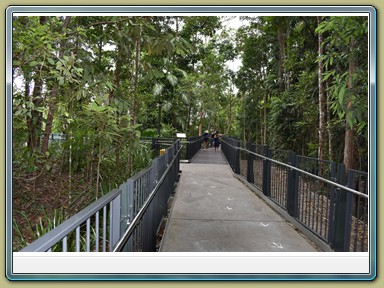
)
(216, 140)
(206, 139)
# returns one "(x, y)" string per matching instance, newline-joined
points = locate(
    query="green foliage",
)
(168, 131)
(150, 132)
(350, 104)
(110, 73)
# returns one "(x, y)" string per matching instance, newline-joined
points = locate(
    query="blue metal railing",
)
(137, 206)
(190, 145)
(314, 192)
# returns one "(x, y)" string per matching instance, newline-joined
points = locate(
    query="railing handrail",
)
(192, 139)
(120, 244)
(313, 158)
(302, 171)
(49, 239)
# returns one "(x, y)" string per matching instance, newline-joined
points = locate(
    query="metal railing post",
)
(115, 217)
(155, 145)
(237, 158)
(154, 178)
(267, 171)
(130, 211)
(348, 211)
(188, 149)
(332, 207)
(293, 183)
(342, 224)
(124, 214)
(250, 158)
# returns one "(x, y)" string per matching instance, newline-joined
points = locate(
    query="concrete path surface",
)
(214, 212)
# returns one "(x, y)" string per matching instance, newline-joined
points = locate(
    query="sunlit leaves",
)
(172, 79)
(157, 89)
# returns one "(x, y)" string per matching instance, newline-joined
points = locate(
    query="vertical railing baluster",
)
(104, 228)
(65, 244)
(267, 172)
(114, 223)
(307, 205)
(97, 231)
(88, 235)
(78, 239)
(365, 219)
(292, 191)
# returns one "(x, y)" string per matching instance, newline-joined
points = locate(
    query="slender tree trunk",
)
(70, 169)
(244, 138)
(98, 173)
(280, 39)
(91, 160)
(321, 95)
(329, 127)
(265, 118)
(201, 123)
(129, 165)
(262, 127)
(136, 79)
(349, 147)
(117, 74)
(189, 119)
(35, 121)
(230, 114)
(256, 132)
(286, 73)
(28, 120)
(48, 125)
(100, 45)
(49, 121)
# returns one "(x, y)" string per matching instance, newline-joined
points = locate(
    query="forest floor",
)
(39, 205)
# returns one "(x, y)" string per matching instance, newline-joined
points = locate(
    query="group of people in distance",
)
(212, 139)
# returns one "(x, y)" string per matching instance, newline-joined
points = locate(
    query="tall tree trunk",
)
(34, 122)
(329, 126)
(177, 26)
(321, 94)
(51, 109)
(349, 147)
(36, 115)
(262, 127)
(28, 120)
(244, 136)
(230, 113)
(201, 123)
(265, 118)
(281, 41)
(136, 79)
(189, 119)
(98, 173)
(49, 121)
(117, 74)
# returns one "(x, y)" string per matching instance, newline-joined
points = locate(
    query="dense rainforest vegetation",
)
(302, 85)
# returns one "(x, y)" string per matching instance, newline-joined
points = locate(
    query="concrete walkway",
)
(214, 212)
